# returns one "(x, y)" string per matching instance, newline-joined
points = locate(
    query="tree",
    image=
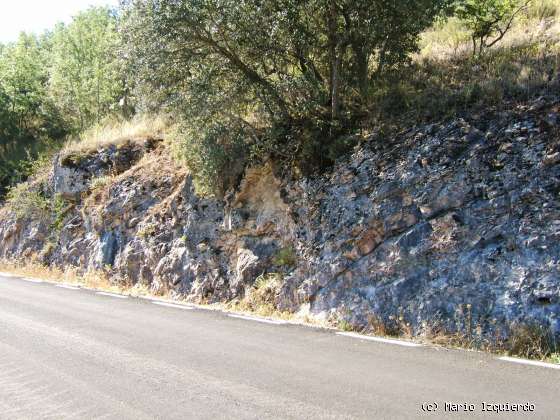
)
(276, 66)
(488, 20)
(85, 77)
(28, 118)
(23, 79)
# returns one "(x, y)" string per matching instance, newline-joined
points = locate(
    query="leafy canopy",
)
(290, 71)
(488, 20)
(86, 80)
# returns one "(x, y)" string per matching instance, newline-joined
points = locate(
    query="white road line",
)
(264, 320)
(529, 362)
(67, 286)
(379, 339)
(112, 295)
(171, 305)
(152, 299)
(32, 280)
(9, 275)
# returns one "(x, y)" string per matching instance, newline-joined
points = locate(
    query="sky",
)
(38, 15)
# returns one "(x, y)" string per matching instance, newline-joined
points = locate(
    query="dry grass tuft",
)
(31, 268)
(97, 280)
(115, 132)
(260, 299)
(532, 342)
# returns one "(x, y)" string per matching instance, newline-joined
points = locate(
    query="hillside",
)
(446, 230)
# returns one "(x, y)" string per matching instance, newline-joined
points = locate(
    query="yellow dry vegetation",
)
(450, 38)
(116, 131)
(97, 280)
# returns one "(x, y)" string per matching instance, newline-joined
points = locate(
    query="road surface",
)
(78, 354)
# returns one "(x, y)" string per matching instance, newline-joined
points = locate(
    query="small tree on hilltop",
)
(488, 20)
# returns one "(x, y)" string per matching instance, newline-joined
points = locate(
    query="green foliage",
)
(285, 257)
(147, 231)
(251, 80)
(100, 182)
(55, 84)
(344, 325)
(488, 20)
(23, 75)
(58, 208)
(285, 67)
(215, 152)
(261, 298)
(86, 79)
(28, 202)
(28, 118)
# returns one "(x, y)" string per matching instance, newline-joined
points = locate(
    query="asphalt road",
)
(76, 354)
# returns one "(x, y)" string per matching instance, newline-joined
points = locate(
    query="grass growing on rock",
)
(94, 280)
(285, 257)
(115, 132)
(261, 297)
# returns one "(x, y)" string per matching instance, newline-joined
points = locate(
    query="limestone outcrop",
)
(447, 227)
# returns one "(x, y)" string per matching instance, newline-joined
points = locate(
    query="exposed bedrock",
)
(451, 226)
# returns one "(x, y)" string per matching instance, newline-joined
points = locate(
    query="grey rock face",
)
(69, 182)
(449, 227)
(108, 247)
(73, 172)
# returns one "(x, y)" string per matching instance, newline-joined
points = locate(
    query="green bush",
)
(216, 153)
(261, 298)
(100, 182)
(488, 20)
(58, 209)
(27, 202)
(285, 257)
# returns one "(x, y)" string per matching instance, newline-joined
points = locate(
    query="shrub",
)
(262, 296)
(344, 325)
(147, 231)
(58, 208)
(27, 202)
(100, 182)
(533, 341)
(285, 257)
(216, 153)
(489, 20)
